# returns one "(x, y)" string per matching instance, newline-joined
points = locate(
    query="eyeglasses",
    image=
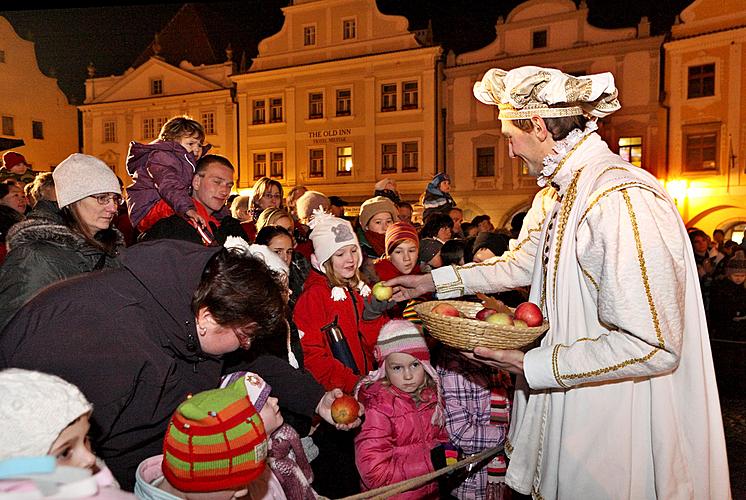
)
(105, 199)
(272, 196)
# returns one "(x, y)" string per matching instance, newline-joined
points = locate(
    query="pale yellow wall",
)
(27, 95)
(713, 200)
(126, 99)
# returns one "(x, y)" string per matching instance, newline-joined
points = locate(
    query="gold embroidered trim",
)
(555, 366)
(651, 305)
(567, 204)
(609, 190)
(590, 278)
(643, 270)
(508, 446)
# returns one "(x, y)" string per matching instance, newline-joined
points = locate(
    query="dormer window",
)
(349, 29)
(309, 35)
(539, 39)
(156, 86)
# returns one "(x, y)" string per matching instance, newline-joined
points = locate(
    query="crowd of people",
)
(172, 337)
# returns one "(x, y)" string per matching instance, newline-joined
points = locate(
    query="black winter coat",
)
(127, 339)
(43, 250)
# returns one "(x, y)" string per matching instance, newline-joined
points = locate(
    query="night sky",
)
(69, 37)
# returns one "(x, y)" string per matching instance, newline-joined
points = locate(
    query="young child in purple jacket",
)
(162, 174)
(403, 435)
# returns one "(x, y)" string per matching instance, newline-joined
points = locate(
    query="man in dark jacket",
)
(211, 186)
(139, 339)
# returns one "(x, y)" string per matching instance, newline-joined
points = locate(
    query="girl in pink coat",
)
(403, 434)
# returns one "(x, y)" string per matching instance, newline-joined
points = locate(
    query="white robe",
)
(620, 399)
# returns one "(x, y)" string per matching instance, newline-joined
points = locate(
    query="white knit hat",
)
(79, 175)
(328, 235)
(35, 408)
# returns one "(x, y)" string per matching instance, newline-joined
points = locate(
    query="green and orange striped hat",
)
(215, 441)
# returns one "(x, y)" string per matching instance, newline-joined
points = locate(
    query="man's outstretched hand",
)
(505, 359)
(411, 286)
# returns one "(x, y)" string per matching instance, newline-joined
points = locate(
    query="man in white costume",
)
(619, 401)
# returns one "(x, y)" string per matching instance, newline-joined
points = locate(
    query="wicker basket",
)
(466, 333)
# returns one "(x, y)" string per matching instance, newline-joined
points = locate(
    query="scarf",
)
(289, 464)
(377, 241)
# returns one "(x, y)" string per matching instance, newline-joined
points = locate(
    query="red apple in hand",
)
(530, 313)
(446, 310)
(345, 409)
(483, 314)
(500, 319)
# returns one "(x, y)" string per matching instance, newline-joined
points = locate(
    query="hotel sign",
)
(331, 135)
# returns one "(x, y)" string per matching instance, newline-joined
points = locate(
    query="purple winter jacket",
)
(160, 169)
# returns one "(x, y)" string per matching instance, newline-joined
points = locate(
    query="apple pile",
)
(345, 409)
(527, 314)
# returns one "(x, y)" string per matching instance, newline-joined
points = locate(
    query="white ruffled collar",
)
(561, 151)
(339, 293)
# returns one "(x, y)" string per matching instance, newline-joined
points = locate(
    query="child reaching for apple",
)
(403, 435)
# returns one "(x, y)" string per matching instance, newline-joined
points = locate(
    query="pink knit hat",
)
(400, 335)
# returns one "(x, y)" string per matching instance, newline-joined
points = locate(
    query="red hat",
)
(11, 159)
(398, 232)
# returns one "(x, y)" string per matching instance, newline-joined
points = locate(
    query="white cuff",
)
(447, 283)
(537, 368)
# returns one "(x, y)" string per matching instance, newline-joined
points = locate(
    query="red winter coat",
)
(316, 308)
(395, 440)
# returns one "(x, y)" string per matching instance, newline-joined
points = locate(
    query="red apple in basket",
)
(483, 314)
(530, 313)
(500, 319)
(345, 409)
(446, 310)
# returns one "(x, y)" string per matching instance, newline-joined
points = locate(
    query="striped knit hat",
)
(398, 232)
(215, 441)
(400, 335)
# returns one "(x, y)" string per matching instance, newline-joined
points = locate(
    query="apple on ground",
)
(446, 310)
(345, 409)
(484, 313)
(530, 313)
(500, 318)
(382, 292)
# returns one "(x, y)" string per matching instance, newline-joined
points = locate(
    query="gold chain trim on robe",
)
(651, 306)
(590, 278)
(567, 204)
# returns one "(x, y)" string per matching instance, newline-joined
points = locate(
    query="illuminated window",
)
(9, 127)
(37, 129)
(701, 81)
(344, 160)
(276, 164)
(701, 148)
(388, 158)
(148, 128)
(315, 105)
(110, 131)
(309, 35)
(275, 110)
(410, 159)
(410, 95)
(486, 162)
(344, 101)
(208, 122)
(349, 29)
(630, 149)
(260, 165)
(316, 163)
(388, 97)
(257, 113)
(539, 39)
(156, 86)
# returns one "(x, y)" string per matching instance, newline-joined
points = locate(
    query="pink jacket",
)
(395, 440)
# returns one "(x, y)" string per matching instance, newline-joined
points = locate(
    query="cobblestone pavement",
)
(734, 420)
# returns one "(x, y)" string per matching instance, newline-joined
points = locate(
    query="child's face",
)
(192, 144)
(737, 278)
(445, 186)
(271, 416)
(405, 372)
(404, 256)
(380, 222)
(283, 246)
(344, 262)
(72, 446)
